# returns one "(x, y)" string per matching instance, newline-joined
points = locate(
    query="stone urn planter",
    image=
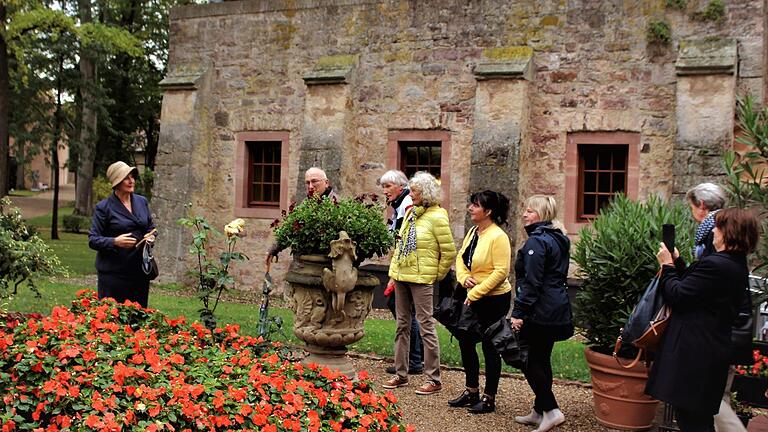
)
(327, 320)
(619, 394)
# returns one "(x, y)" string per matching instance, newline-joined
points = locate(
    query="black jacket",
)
(541, 270)
(110, 219)
(691, 366)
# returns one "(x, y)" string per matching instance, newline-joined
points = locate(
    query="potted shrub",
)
(329, 238)
(616, 256)
(742, 409)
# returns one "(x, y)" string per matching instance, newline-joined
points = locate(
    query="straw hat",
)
(118, 171)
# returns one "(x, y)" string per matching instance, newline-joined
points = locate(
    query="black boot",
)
(486, 404)
(465, 399)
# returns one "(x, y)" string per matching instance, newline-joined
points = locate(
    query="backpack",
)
(646, 323)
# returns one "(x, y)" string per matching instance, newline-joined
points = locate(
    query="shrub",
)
(101, 188)
(23, 255)
(309, 227)
(714, 11)
(617, 259)
(75, 223)
(106, 366)
(747, 178)
(145, 182)
(659, 32)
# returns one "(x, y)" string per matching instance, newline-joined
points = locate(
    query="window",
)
(261, 174)
(420, 156)
(598, 165)
(422, 150)
(602, 173)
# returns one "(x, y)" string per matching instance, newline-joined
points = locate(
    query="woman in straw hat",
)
(120, 223)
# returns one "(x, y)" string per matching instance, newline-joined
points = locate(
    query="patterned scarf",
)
(702, 232)
(408, 244)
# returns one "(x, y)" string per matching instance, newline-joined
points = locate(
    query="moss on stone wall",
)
(502, 54)
(341, 61)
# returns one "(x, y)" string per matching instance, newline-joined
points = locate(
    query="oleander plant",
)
(99, 365)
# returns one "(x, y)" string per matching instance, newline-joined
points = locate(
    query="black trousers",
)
(691, 421)
(538, 372)
(489, 310)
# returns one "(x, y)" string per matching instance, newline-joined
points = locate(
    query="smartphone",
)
(668, 237)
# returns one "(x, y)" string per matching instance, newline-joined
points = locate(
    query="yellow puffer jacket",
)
(435, 249)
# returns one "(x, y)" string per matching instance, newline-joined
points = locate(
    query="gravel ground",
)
(432, 413)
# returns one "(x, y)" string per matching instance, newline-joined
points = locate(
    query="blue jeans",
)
(416, 351)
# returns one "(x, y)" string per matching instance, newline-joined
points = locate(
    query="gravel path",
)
(432, 414)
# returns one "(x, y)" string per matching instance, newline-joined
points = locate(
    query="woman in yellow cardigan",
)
(423, 255)
(482, 267)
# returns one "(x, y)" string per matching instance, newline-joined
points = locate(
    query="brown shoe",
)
(395, 382)
(429, 388)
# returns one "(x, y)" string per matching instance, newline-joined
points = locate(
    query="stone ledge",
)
(257, 7)
(505, 63)
(707, 56)
(331, 69)
(183, 78)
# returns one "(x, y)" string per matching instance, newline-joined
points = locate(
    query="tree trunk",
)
(4, 110)
(55, 152)
(87, 153)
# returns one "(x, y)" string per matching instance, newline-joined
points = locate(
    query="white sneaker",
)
(532, 419)
(551, 419)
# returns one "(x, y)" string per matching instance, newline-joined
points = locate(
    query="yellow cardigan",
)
(490, 263)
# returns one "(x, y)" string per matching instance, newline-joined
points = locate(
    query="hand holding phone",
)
(668, 237)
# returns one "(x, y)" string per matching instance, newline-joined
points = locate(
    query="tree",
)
(4, 102)
(88, 121)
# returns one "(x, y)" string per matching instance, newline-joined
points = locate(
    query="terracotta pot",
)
(619, 394)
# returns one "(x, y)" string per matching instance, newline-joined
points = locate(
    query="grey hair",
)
(396, 177)
(426, 183)
(711, 195)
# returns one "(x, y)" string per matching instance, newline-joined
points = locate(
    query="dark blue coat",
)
(691, 366)
(541, 271)
(110, 219)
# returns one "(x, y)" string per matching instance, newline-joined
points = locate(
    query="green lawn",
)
(45, 220)
(22, 193)
(567, 359)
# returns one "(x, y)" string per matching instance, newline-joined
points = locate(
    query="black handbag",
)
(148, 262)
(459, 319)
(508, 343)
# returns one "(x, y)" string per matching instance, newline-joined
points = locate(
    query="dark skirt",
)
(122, 288)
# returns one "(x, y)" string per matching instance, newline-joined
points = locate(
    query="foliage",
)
(75, 223)
(677, 4)
(23, 255)
(617, 259)
(145, 182)
(741, 408)
(758, 369)
(101, 188)
(659, 32)
(747, 179)
(107, 366)
(309, 227)
(714, 11)
(212, 274)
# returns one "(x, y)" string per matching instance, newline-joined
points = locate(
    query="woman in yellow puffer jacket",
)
(423, 255)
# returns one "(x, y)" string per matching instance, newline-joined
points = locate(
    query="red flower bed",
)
(107, 366)
(759, 368)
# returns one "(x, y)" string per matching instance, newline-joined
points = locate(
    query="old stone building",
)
(576, 98)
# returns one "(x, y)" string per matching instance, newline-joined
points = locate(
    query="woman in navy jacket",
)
(691, 366)
(119, 222)
(542, 311)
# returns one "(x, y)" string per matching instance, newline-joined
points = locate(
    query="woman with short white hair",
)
(424, 253)
(705, 199)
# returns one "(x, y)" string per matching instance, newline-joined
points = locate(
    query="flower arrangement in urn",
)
(309, 227)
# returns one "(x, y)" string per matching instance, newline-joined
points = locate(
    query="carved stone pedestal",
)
(327, 330)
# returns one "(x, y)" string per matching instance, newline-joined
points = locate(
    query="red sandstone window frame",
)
(397, 139)
(574, 181)
(243, 176)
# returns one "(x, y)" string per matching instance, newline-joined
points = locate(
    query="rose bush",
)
(105, 366)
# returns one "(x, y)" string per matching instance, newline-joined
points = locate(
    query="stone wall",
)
(416, 68)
